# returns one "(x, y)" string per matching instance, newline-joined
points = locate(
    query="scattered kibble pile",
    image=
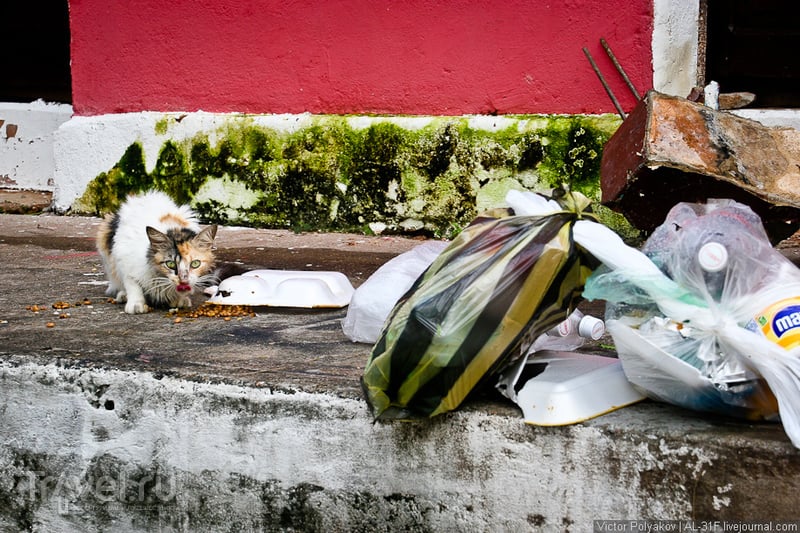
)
(214, 310)
(226, 312)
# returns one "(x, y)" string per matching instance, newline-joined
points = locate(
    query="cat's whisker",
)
(158, 288)
(207, 280)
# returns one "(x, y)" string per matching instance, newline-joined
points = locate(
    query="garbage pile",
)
(705, 316)
(478, 307)
(723, 336)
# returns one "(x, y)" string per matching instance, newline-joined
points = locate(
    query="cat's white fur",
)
(127, 267)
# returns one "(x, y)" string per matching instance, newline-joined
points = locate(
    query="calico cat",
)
(155, 254)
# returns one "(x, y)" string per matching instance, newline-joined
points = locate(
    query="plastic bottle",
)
(570, 334)
(713, 259)
(722, 248)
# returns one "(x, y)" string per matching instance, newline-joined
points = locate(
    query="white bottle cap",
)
(591, 328)
(712, 256)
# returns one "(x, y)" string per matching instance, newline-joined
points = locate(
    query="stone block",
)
(670, 150)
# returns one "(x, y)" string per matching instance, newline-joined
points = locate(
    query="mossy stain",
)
(331, 176)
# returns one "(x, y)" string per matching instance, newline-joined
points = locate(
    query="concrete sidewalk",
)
(112, 422)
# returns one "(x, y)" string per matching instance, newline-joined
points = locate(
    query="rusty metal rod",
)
(605, 84)
(619, 68)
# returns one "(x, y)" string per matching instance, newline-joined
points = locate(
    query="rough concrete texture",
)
(26, 151)
(112, 422)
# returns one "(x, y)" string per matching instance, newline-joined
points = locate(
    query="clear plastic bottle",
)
(570, 334)
(713, 259)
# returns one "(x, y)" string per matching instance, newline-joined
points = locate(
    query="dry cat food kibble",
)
(59, 306)
(215, 310)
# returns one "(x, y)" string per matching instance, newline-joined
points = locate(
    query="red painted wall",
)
(355, 56)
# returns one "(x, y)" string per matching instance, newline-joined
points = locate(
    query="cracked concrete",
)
(136, 423)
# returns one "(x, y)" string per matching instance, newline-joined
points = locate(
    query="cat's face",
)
(182, 261)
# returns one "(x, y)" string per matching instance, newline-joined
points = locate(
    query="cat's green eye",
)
(170, 264)
(195, 263)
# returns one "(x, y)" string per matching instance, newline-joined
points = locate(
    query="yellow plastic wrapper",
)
(501, 283)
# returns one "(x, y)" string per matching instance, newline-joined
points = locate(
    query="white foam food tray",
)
(285, 288)
(574, 387)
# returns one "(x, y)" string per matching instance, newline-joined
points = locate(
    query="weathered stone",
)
(670, 150)
(23, 201)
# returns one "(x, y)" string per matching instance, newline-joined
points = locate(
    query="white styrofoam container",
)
(573, 387)
(285, 288)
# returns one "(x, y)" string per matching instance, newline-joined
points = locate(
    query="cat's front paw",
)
(136, 308)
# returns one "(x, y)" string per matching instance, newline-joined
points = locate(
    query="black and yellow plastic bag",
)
(500, 284)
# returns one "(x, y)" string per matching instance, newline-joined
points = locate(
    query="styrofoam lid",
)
(573, 388)
(285, 288)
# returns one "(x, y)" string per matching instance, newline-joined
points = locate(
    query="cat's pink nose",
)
(184, 287)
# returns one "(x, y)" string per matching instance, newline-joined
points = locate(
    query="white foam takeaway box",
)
(285, 288)
(572, 388)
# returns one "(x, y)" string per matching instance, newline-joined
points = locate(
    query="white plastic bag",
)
(374, 299)
(697, 331)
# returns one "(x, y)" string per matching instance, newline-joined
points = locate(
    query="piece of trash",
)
(711, 95)
(555, 388)
(702, 328)
(93, 282)
(374, 299)
(285, 288)
(500, 284)
(570, 334)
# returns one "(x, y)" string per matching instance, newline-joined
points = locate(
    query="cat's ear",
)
(157, 239)
(205, 238)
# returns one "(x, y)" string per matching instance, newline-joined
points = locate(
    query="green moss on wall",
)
(162, 125)
(331, 176)
(105, 192)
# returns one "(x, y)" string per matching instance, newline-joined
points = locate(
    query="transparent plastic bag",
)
(695, 327)
(498, 286)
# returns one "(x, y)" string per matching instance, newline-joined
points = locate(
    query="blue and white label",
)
(785, 320)
(780, 322)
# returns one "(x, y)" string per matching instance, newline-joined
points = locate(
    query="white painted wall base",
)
(26, 143)
(87, 146)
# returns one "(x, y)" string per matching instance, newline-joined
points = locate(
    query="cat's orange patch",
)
(171, 219)
(185, 249)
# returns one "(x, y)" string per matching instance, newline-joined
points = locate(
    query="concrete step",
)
(111, 422)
